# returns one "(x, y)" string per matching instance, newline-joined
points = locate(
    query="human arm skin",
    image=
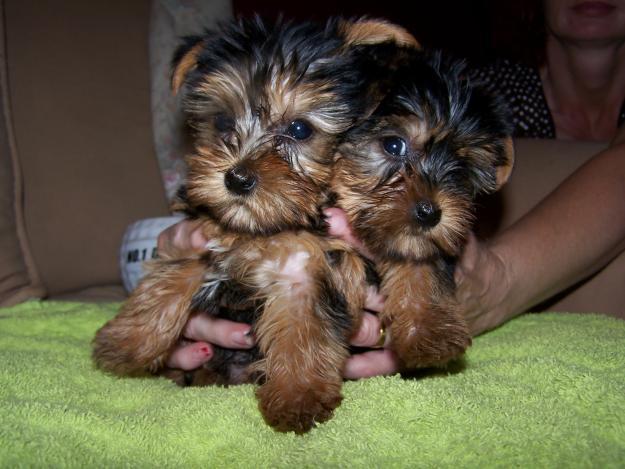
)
(568, 236)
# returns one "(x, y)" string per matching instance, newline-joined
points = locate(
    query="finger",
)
(182, 239)
(197, 240)
(369, 333)
(163, 241)
(337, 222)
(373, 363)
(190, 356)
(224, 333)
(374, 301)
(187, 236)
(339, 226)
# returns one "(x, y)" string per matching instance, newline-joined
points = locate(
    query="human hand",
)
(374, 362)
(202, 331)
(481, 276)
(482, 285)
(184, 239)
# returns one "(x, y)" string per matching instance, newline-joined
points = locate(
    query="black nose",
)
(426, 213)
(240, 180)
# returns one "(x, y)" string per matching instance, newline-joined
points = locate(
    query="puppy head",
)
(408, 175)
(267, 103)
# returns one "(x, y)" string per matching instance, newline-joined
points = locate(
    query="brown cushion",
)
(18, 277)
(79, 81)
(540, 166)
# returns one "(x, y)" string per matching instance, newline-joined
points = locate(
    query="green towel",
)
(544, 390)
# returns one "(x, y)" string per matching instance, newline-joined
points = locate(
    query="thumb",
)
(338, 225)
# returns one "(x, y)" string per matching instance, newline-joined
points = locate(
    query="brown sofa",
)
(76, 96)
(77, 162)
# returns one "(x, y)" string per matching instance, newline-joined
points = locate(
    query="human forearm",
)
(572, 233)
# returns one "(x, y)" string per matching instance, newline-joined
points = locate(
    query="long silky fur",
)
(241, 87)
(458, 145)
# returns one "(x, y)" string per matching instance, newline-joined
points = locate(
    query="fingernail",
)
(204, 354)
(198, 241)
(245, 339)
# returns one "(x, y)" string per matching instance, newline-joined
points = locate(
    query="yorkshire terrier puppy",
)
(267, 104)
(407, 178)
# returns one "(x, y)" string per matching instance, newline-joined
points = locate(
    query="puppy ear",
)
(376, 31)
(504, 170)
(491, 163)
(484, 126)
(185, 61)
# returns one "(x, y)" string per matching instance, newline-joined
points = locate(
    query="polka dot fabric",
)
(521, 89)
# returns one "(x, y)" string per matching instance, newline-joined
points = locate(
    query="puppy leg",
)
(303, 362)
(350, 273)
(425, 327)
(139, 339)
(302, 331)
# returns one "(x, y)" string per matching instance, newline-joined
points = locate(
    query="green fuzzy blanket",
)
(545, 390)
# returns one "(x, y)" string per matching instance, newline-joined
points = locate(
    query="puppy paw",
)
(291, 408)
(125, 361)
(117, 352)
(432, 340)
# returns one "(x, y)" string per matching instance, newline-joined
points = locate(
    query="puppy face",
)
(408, 175)
(267, 103)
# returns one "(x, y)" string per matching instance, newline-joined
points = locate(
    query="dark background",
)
(477, 30)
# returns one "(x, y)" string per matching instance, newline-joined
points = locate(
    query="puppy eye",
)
(395, 146)
(299, 130)
(224, 123)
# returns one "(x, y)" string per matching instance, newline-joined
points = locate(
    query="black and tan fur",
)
(407, 177)
(268, 103)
